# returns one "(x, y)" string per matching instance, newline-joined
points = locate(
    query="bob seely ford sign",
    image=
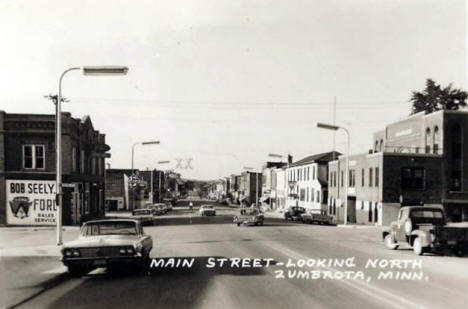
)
(30, 202)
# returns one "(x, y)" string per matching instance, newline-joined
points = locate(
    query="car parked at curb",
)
(158, 209)
(108, 243)
(144, 215)
(425, 229)
(318, 216)
(207, 210)
(294, 213)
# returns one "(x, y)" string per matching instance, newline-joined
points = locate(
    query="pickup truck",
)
(425, 229)
(249, 216)
(317, 216)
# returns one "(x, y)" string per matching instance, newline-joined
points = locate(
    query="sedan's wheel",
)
(238, 224)
(418, 249)
(389, 242)
(261, 223)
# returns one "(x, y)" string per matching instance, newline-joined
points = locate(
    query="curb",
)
(36, 228)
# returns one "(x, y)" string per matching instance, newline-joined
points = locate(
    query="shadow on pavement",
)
(161, 287)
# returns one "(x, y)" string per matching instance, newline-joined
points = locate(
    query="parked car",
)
(317, 216)
(168, 206)
(294, 213)
(426, 230)
(207, 210)
(158, 209)
(144, 215)
(249, 216)
(107, 243)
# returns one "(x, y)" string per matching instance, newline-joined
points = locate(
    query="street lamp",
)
(346, 179)
(146, 143)
(87, 70)
(256, 183)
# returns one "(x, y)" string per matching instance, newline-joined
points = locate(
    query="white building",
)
(307, 181)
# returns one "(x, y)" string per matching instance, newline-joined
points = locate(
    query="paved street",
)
(184, 234)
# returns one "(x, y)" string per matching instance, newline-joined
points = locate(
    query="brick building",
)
(250, 185)
(27, 169)
(418, 160)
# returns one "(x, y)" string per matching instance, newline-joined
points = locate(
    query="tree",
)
(434, 98)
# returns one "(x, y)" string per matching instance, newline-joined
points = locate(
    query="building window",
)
(362, 178)
(82, 162)
(381, 145)
(342, 177)
(376, 176)
(428, 140)
(376, 148)
(317, 196)
(302, 195)
(74, 163)
(34, 156)
(352, 178)
(435, 141)
(312, 195)
(370, 177)
(313, 172)
(413, 178)
(457, 155)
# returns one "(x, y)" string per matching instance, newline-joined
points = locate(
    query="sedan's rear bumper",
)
(102, 261)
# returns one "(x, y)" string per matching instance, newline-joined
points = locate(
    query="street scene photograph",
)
(233, 154)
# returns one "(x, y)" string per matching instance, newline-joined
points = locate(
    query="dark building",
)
(27, 169)
(418, 160)
(154, 178)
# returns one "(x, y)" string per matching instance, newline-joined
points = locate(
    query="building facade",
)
(308, 181)
(418, 160)
(27, 169)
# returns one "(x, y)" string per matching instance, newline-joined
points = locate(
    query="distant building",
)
(154, 178)
(124, 192)
(27, 169)
(269, 183)
(250, 188)
(418, 160)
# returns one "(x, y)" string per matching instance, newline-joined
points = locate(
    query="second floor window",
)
(33, 156)
(413, 178)
(370, 177)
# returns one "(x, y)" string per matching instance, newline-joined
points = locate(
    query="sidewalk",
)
(30, 262)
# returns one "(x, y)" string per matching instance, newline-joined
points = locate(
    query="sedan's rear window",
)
(110, 228)
(426, 214)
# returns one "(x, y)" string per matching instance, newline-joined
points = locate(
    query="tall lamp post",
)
(346, 179)
(133, 170)
(87, 70)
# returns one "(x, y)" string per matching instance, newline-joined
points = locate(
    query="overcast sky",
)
(226, 82)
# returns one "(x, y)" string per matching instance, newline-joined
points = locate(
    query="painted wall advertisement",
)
(30, 202)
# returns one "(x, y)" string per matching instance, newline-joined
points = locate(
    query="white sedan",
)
(207, 210)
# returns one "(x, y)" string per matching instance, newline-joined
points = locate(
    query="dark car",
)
(425, 229)
(294, 213)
